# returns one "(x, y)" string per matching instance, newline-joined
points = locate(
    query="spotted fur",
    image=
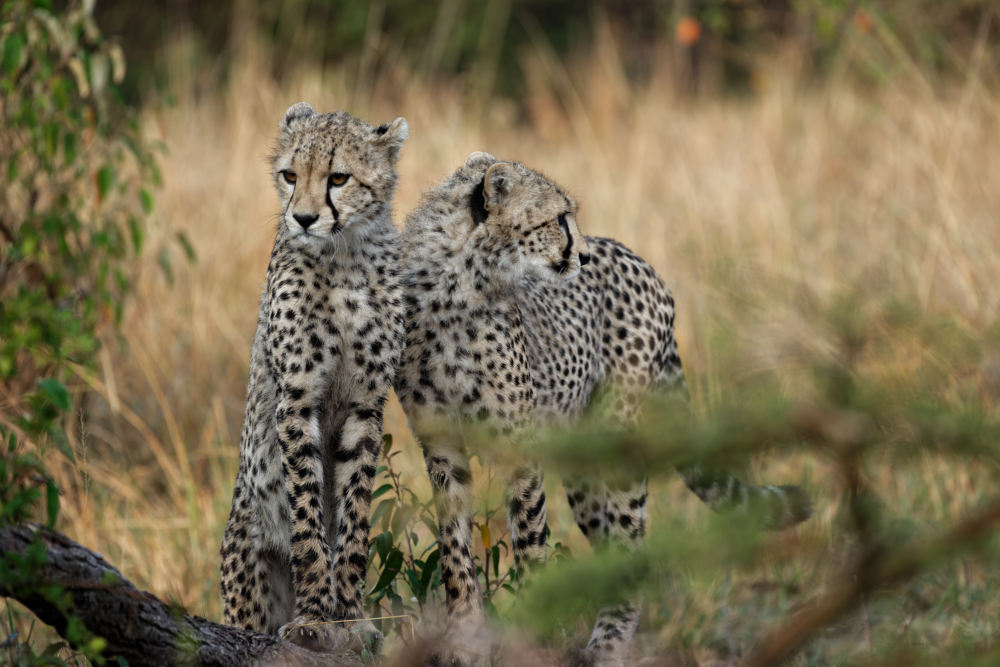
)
(329, 337)
(516, 318)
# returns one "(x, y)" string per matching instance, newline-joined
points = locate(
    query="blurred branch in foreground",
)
(874, 571)
(854, 407)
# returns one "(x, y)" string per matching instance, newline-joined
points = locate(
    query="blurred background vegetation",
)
(815, 179)
(720, 41)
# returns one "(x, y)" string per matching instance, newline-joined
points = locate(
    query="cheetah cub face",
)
(334, 172)
(532, 217)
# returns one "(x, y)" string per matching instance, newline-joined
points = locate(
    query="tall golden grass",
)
(753, 209)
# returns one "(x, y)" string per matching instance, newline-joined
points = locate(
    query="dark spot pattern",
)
(506, 324)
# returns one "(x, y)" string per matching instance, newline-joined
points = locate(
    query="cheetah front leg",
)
(256, 586)
(299, 439)
(451, 481)
(356, 458)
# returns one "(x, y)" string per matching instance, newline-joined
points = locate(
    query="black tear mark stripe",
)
(333, 209)
(477, 202)
(569, 239)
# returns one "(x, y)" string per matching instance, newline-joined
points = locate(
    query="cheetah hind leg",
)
(610, 515)
(526, 518)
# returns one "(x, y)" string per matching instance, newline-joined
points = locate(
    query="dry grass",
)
(754, 210)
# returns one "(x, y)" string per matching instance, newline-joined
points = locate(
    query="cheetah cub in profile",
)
(513, 316)
(329, 336)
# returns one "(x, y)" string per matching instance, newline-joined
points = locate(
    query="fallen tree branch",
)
(137, 625)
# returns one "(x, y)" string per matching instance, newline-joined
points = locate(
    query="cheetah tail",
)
(778, 506)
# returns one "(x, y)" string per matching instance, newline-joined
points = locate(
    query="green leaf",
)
(56, 393)
(69, 147)
(109, 578)
(381, 490)
(52, 502)
(51, 139)
(146, 200)
(393, 564)
(137, 234)
(12, 168)
(382, 545)
(384, 510)
(105, 179)
(58, 436)
(429, 568)
(186, 246)
(12, 47)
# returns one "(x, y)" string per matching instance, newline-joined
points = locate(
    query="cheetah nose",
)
(305, 219)
(584, 259)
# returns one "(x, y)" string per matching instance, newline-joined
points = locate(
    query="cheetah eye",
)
(336, 180)
(289, 176)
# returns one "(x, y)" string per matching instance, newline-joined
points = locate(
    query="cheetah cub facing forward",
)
(329, 336)
(514, 317)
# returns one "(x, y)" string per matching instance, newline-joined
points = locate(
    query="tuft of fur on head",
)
(335, 174)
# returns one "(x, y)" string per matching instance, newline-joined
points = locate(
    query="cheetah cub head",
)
(531, 216)
(334, 173)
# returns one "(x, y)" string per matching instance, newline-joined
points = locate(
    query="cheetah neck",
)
(462, 263)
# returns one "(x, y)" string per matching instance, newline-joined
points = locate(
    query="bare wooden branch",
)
(137, 625)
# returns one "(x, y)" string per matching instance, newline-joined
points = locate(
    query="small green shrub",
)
(405, 554)
(75, 198)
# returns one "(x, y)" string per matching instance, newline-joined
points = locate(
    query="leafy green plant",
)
(75, 199)
(405, 555)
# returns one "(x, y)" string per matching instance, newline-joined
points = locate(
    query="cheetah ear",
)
(476, 156)
(295, 112)
(497, 185)
(392, 135)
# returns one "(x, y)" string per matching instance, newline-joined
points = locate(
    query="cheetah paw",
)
(589, 657)
(466, 642)
(368, 635)
(453, 658)
(319, 636)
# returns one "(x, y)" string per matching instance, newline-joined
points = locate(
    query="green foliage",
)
(75, 174)
(74, 204)
(26, 487)
(895, 385)
(404, 555)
